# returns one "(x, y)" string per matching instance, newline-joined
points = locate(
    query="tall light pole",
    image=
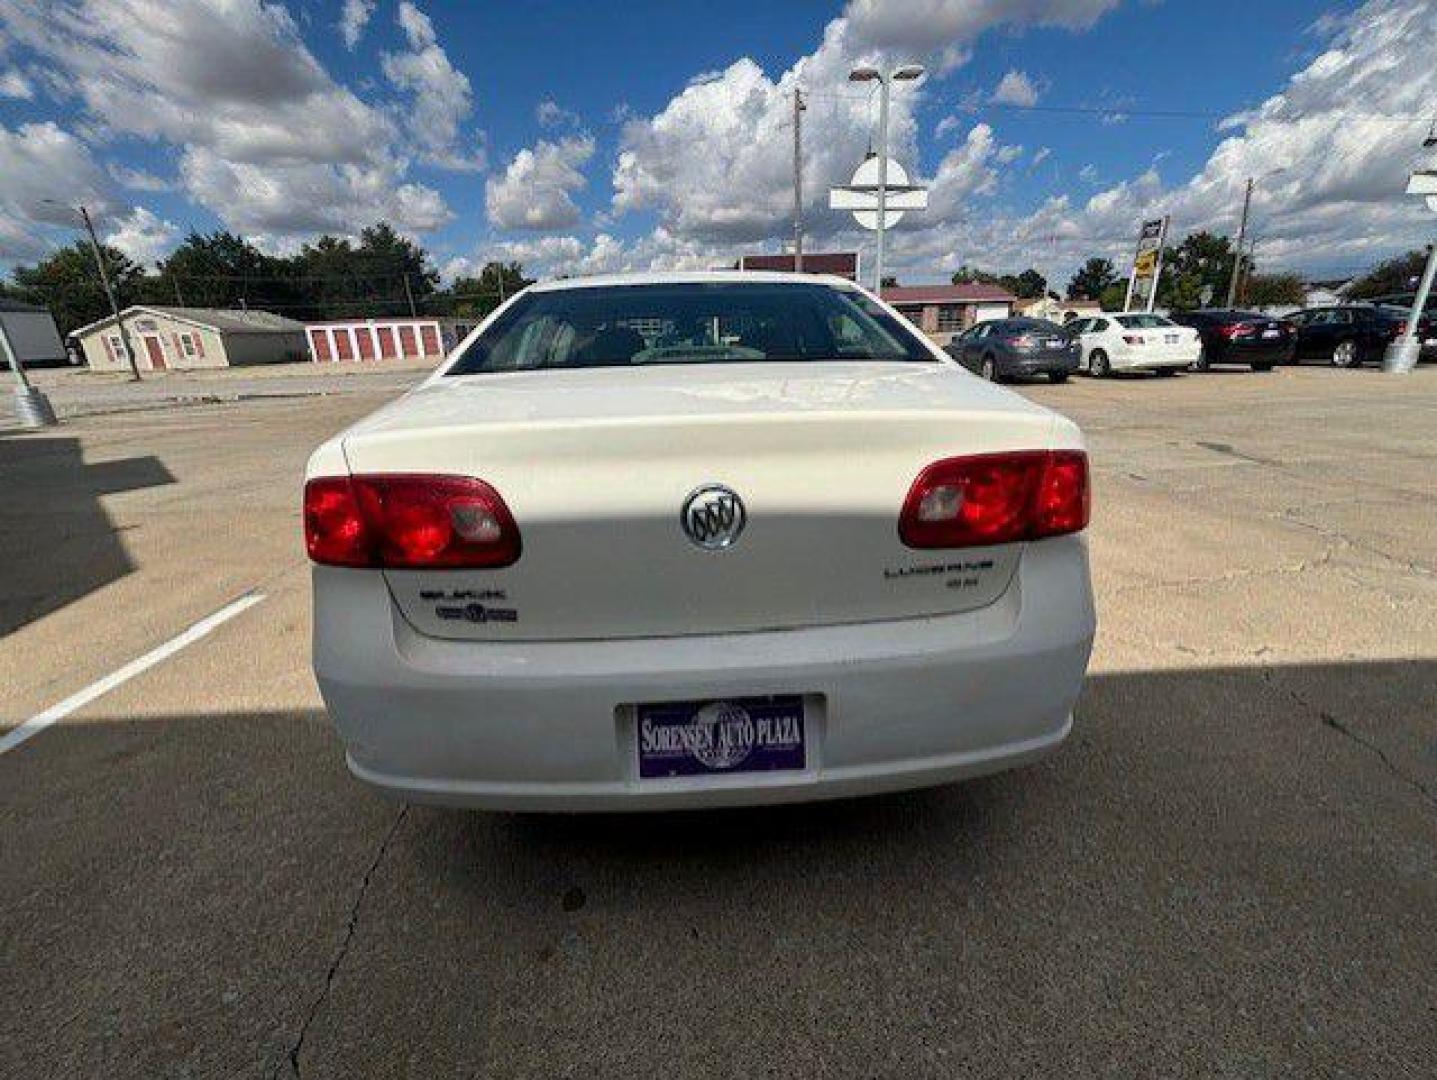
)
(1402, 355)
(105, 282)
(885, 80)
(798, 107)
(32, 407)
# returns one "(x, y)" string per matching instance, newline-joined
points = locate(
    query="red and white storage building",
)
(363, 340)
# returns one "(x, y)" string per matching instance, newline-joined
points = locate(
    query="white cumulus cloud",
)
(266, 137)
(143, 236)
(353, 18)
(13, 84)
(1015, 88)
(441, 99)
(537, 187)
(714, 161)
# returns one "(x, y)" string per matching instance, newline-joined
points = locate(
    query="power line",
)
(1124, 112)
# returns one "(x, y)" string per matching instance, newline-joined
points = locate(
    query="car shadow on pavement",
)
(1226, 871)
(58, 542)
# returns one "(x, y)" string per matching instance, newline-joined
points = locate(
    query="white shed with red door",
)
(183, 338)
(360, 340)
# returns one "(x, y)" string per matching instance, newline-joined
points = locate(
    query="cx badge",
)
(713, 517)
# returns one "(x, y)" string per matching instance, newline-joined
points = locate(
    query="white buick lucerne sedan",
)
(686, 540)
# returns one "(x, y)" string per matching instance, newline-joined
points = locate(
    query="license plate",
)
(712, 738)
(1272, 333)
(1431, 341)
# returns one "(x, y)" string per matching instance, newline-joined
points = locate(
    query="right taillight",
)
(997, 499)
(408, 521)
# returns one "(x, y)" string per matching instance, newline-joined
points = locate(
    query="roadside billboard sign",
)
(1147, 265)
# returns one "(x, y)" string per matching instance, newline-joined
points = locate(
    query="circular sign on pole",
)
(865, 176)
(861, 195)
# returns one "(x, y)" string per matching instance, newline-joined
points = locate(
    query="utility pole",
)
(179, 300)
(1246, 266)
(798, 107)
(1241, 236)
(110, 292)
(408, 292)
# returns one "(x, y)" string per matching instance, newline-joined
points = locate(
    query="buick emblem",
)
(713, 516)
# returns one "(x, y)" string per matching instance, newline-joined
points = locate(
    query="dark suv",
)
(1008, 348)
(1352, 334)
(1239, 337)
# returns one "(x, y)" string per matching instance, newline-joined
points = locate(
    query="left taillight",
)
(408, 521)
(997, 499)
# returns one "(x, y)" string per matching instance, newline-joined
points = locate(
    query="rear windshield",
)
(1142, 322)
(1041, 326)
(688, 323)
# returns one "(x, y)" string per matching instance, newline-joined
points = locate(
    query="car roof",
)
(694, 277)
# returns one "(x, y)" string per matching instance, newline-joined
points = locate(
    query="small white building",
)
(1058, 311)
(422, 338)
(31, 332)
(184, 338)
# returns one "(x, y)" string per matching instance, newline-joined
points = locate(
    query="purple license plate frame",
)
(721, 737)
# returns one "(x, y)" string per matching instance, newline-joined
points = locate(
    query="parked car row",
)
(1344, 336)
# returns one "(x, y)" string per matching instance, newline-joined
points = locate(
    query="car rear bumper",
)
(1152, 360)
(1041, 363)
(550, 725)
(1257, 353)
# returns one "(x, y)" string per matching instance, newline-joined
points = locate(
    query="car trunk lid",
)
(596, 466)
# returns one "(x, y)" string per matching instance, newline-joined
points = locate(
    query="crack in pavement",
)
(1371, 747)
(292, 1057)
(1289, 515)
(1302, 567)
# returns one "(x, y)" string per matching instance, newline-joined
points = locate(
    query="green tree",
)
(1271, 289)
(1390, 276)
(1092, 279)
(222, 269)
(966, 275)
(68, 284)
(1113, 296)
(1029, 285)
(475, 297)
(1026, 286)
(342, 279)
(1202, 259)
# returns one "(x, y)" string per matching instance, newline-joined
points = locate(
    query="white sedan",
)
(1134, 342)
(655, 541)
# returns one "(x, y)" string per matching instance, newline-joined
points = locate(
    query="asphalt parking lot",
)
(1230, 870)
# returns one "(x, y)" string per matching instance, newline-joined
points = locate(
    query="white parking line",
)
(40, 721)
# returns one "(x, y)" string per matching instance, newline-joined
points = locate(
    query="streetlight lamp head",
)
(863, 74)
(909, 71)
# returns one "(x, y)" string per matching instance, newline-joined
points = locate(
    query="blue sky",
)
(580, 136)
